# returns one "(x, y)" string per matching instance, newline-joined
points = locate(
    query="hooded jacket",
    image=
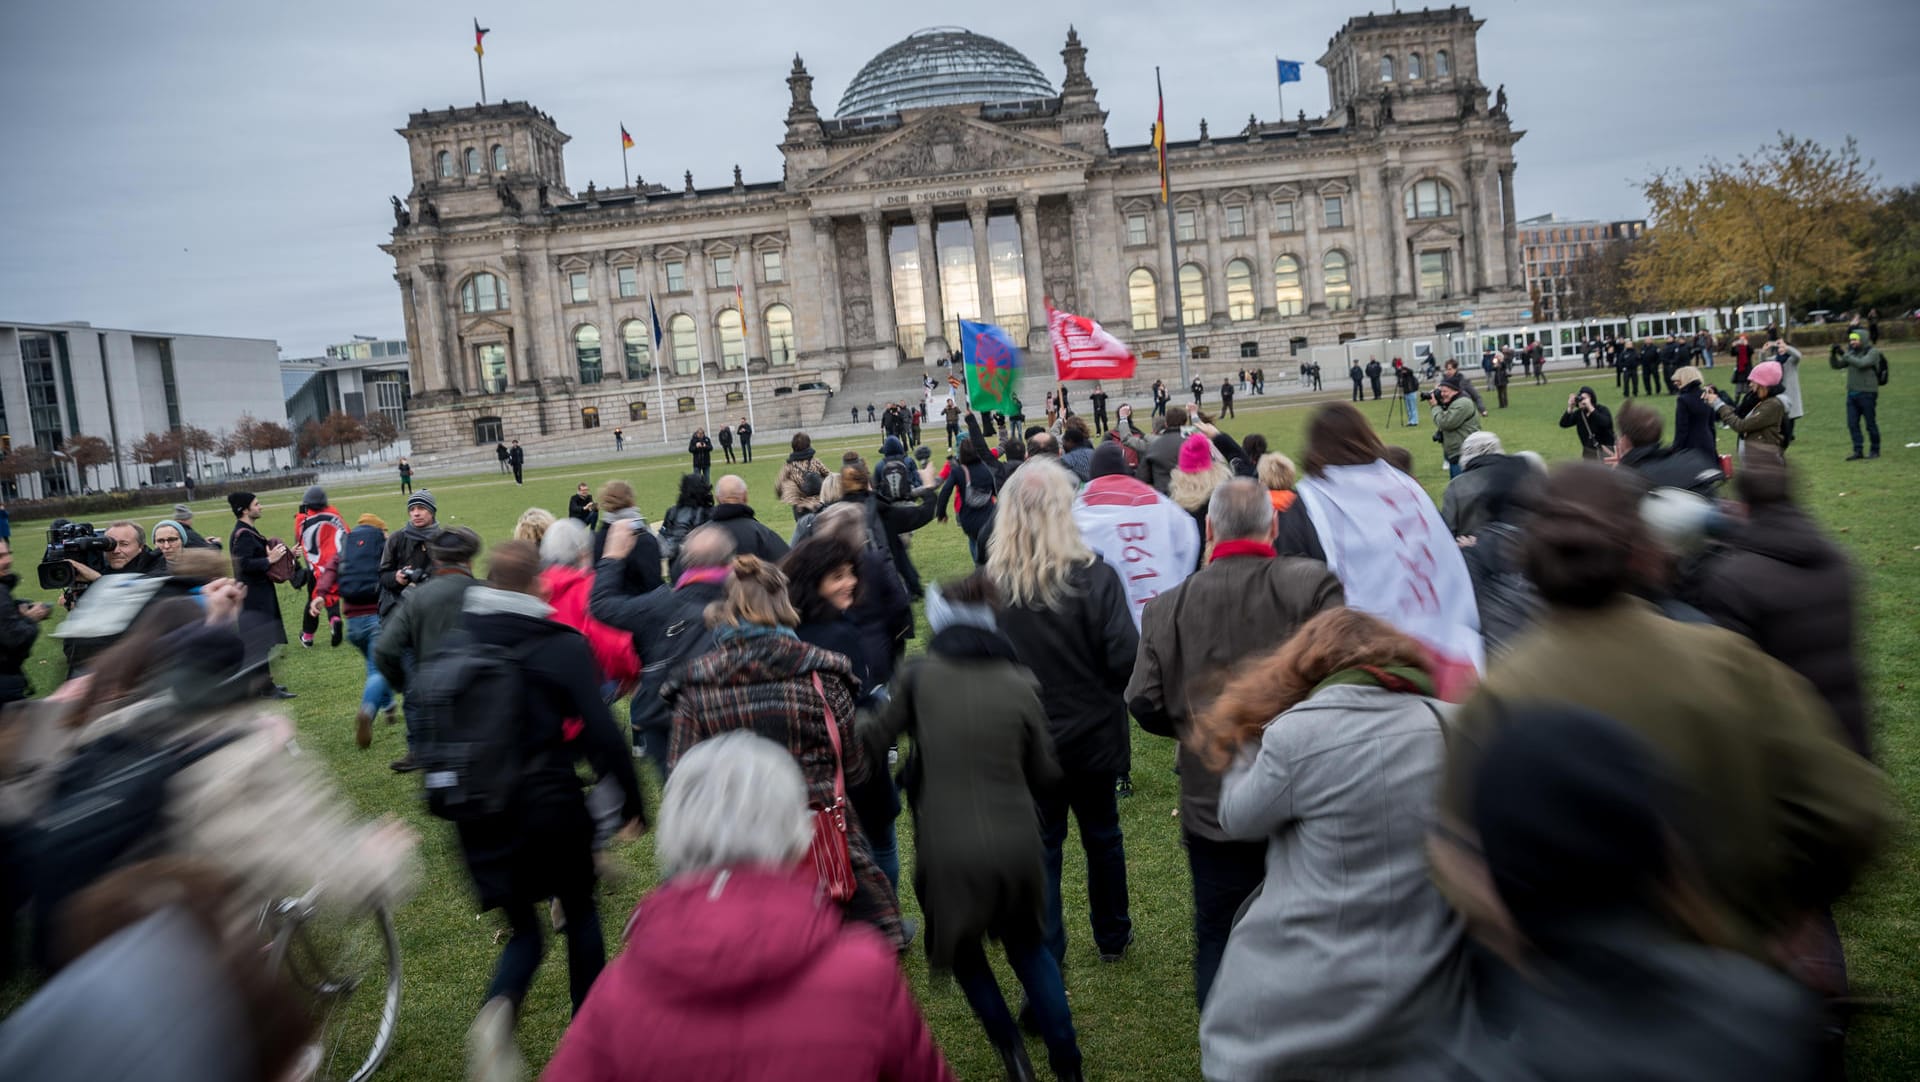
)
(1456, 421)
(1762, 424)
(787, 488)
(406, 547)
(1782, 584)
(668, 625)
(745, 975)
(1488, 484)
(613, 653)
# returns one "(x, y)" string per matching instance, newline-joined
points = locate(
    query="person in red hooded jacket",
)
(737, 969)
(566, 559)
(319, 527)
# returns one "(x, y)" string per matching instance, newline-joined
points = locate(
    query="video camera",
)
(76, 541)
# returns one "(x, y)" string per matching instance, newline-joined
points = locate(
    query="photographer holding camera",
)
(126, 553)
(404, 562)
(19, 627)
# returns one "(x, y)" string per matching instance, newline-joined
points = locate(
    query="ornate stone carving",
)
(850, 249)
(943, 146)
(1056, 255)
(401, 217)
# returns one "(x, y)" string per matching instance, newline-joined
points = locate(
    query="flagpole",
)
(480, 61)
(653, 333)
(1173, 243)
(624, 174)
(746, 339)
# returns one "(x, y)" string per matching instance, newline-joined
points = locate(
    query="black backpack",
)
(105, 811)
(810, 482)
(1880, 371)
(976, 499)
(358, 581)
(896, 480)
(466, 702)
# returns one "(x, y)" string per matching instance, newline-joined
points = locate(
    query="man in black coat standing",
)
(1226, 398)
(745, 432)
(518, 460)
(260, 626)
(732, 514)
(1358, 377)
(1099, 400)
(1199, 390)
(1373, 376)
(725, 436)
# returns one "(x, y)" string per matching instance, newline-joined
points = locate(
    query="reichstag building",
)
(953, 182)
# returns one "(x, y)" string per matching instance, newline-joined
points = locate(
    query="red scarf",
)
(1225, 549)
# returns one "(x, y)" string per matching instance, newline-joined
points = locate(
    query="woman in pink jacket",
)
(738, 969)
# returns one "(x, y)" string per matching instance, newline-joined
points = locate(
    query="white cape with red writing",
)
(1147, 538)
(1082, 349)
(1397, 560)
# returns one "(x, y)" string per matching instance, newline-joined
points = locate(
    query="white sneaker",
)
(492, 1055)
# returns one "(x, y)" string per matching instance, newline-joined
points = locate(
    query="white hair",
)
(1035, 546)
(733, 799)
(847, 520)
(567, 543)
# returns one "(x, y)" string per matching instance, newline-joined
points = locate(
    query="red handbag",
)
(828, 850)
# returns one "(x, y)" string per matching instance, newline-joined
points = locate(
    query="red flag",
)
(1082, 349)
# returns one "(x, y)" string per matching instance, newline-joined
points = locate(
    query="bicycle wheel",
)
(350, 964)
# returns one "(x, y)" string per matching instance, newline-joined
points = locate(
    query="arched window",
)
(638, 349)
(733, 342)
(1144, 299)
(1333, 271)
(779, 334)
(586, 352)
(1413, 65)
(1288, 298)
(1429, 199)
(443, 164)
(483, 293)
(499, 158)
(1440, 67)
(1386, 69)
(1240, 302)
(1193, 295)
(684, 342)
(473, 160)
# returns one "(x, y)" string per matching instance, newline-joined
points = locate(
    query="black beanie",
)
(239, 501)
(1109, 458)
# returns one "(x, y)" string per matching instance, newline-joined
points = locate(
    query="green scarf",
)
(1404, 679)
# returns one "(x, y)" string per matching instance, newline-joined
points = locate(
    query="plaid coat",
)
(763, 682)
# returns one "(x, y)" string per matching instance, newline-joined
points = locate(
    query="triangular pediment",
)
(485, 327)
(1435, 231)
(939, 145)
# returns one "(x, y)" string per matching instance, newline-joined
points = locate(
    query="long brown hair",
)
(1269, 685)
(756, 595)
(1338, 435)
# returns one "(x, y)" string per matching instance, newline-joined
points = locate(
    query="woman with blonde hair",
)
(1333, 750)
(1202, 467)
(761, 678)
(1066, 614)
(1276, 471)
(533, 525)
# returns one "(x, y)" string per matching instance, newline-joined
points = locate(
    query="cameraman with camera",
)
(19, 627)
(122, 544)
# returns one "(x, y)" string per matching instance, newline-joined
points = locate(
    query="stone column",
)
(649, 282)
(750, 323)
(702, 314)
(410, 322)
(879, 281)
(1030, 256)
(442, 322)
(1396, 231)
(562, 365)
(1312, 279)
(518, 368)
(1474, 274)
(1510, 228)
(936, 327)
(982, 258)
(1216, 256)
(1083, 273)
(1260, 220)
(613, 357)
(833, 328)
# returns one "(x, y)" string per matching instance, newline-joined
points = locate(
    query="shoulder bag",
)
(828, 850)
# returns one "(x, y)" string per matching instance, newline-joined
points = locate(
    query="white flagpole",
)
(746, 337)
(653, 322)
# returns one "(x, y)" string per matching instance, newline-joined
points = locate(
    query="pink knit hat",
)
(1196, 454)
(1766, 374)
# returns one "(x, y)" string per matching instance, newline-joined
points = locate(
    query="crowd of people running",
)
(1560, 777)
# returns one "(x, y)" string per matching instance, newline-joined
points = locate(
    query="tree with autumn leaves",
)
(1793, 215)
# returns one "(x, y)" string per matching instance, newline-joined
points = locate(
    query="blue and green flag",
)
(992, 365)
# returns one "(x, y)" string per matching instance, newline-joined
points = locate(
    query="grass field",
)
(1136, 1018)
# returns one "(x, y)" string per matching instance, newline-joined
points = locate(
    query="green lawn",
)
(1135, 1018)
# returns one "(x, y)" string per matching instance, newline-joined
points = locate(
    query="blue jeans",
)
(363, 632)
(1453, 467)
(1413, 409)
(1040, 976)
(1225, 875)
(886, 852)
(520, 959)
(1863, 405)
(1090, 796)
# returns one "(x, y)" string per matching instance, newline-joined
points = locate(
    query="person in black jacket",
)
(518, 460)
(581, 506)
(726, 443)
(1694, 424)
(541, 846)
(692, 510)
(1626, 371)
(745, 432)
(1068, 619)
(701, 448)
(731, 513)
(260, 625)
(1373, 376)
(404, 562)
(19, 627)
(1592, 421)
(1637, 431)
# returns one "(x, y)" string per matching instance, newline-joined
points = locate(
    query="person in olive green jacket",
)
(1455, 419)
(1776, 813)
(1862, 362)
(1765, 423)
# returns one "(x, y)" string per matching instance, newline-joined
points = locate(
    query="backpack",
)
(311, 532)
(1132, 456)
(977, 499)
(466, 702)
(680, 521)
(810, 482)
(358, 566)
(895, 480)
(105, 810)
(1880, 371)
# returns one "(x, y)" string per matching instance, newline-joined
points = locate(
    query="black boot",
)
(1019, 1068)
(1071, 1074)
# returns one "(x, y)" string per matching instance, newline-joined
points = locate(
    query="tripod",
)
(1396, 411)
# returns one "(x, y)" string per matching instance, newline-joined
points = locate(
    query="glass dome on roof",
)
(945, 65)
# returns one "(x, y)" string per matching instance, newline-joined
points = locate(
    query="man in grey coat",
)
(413, 629)
(1162, 457)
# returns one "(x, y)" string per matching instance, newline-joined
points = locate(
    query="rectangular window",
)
(723, 271)
(1436, 278)
(773, 267)
(1136, 229)
(1184, 226)
(1249, 349)
(1201, 353)
(492, 359)
(1283, 216)
(636, 411)
(169, 385)
(629, 281)
(676, 276)
(1236, 220)
(1336, 210)
(577, 287)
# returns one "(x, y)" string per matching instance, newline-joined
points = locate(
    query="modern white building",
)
(62, 380)
(361, 378)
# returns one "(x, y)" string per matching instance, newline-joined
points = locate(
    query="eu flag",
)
(1289, 71)
(992, 363)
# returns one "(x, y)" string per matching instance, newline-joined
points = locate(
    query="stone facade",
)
(1385, 218)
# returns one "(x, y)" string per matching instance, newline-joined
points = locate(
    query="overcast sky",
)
(223, 166)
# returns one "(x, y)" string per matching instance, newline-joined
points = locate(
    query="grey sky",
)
(223, 167)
